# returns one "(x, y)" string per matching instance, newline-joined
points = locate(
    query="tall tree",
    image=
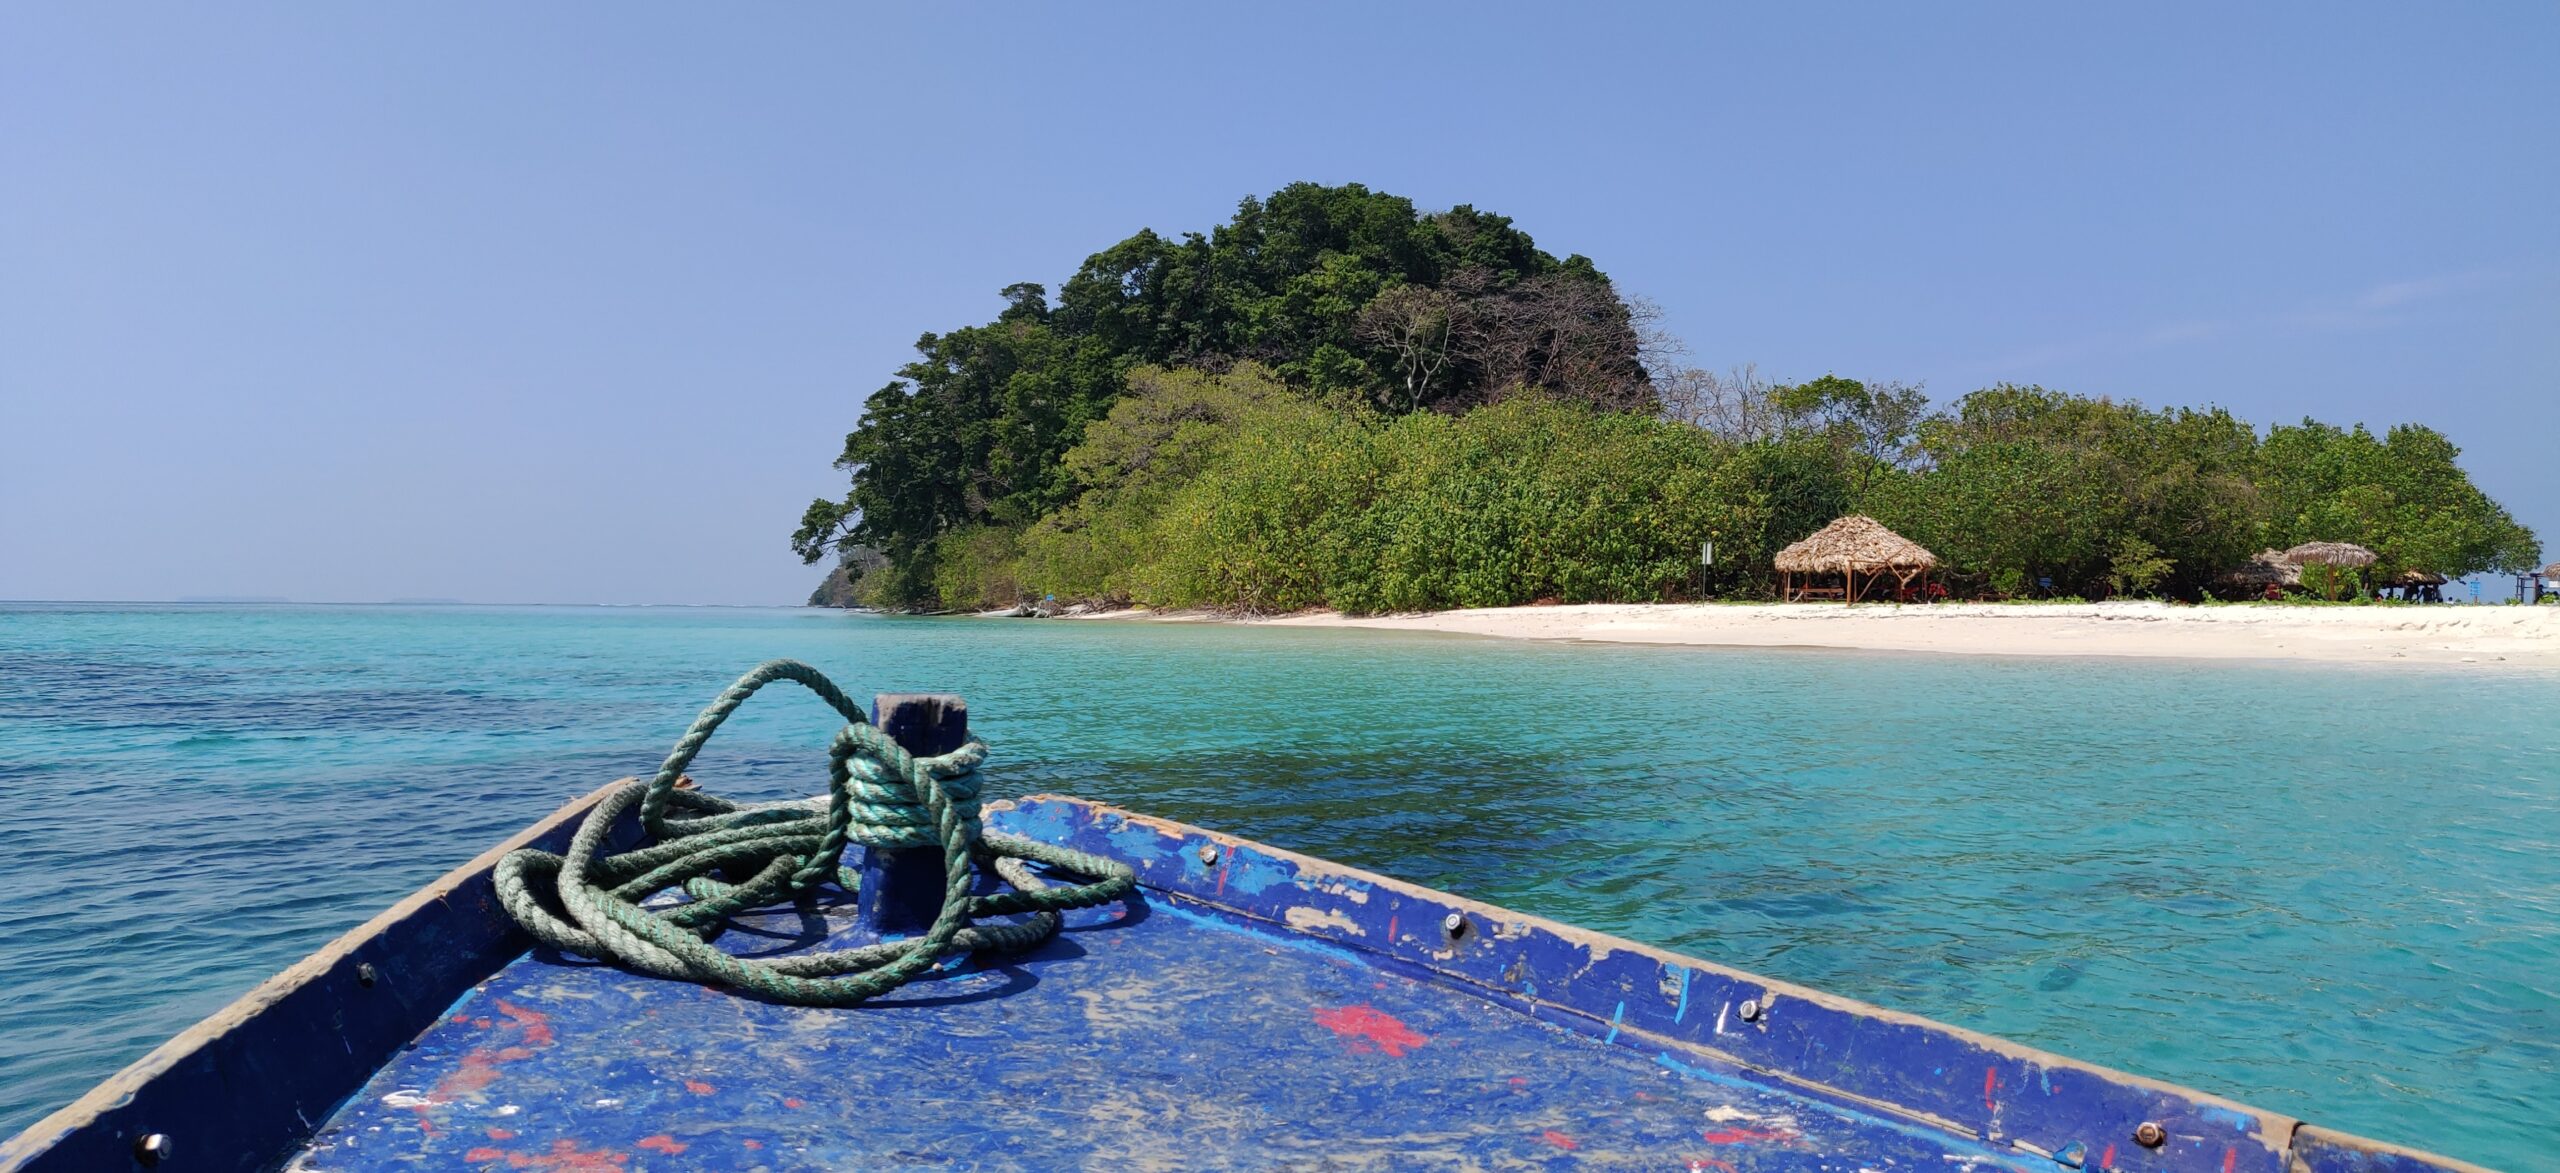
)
(2401, 495)
(1345, 292)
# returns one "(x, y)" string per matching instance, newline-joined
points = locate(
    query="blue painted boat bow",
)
(1249, 1007)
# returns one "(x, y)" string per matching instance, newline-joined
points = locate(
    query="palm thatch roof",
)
(2551, 571)
(1856, 542)
(2263, 567)
(2419, 578)
(2331, 553)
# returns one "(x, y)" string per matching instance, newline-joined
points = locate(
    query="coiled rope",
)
(878, 795)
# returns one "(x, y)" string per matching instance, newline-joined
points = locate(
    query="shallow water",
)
(2329, 891)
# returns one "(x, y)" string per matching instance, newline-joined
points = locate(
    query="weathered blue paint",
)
(1169, 1037)
(1249, 1008)
(1967, 1085)
(238, 1090)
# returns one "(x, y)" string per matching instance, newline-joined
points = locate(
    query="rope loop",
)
(604, 905)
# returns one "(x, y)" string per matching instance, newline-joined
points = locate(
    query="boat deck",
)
(1155, 1036)
(1246, 1007)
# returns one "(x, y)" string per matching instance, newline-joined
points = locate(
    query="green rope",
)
(878, 795)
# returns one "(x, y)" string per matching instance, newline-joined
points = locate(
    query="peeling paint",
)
(1308, 920)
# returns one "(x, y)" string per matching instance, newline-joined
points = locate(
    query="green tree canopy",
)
(1349, 295)
(2026, 486)
(2401, 496)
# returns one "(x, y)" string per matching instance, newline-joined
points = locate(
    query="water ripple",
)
(2332, 892)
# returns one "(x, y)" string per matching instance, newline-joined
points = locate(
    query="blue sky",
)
(356, 302)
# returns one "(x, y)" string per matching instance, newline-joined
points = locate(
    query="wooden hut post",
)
(902, 886)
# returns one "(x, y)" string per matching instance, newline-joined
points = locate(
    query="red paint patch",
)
(755, 1144)
(1990, 1080)
(1558, 1139)
(565, 1155)
(2230, 1158)
(501, 1134)
(2107, 1160)
(1747, 1135)
(1368, 1028)
(664, 1143)
(479, 1066)
(459, 1019)
(1222, 879)
(698, 1087)
(1391, 930)
(479, 1069)
(536, 1025)
(789, 1102)
(1517, 1081)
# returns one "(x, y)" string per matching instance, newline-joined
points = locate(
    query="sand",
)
(2443, 634)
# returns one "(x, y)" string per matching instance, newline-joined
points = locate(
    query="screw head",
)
(365, 976)
(1454, 924)
(1208, 853)
(152, 1149)
(2149, 1134)
(1750, 1010)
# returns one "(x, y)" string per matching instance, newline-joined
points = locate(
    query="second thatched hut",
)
(1860, 553)
(2264, 569)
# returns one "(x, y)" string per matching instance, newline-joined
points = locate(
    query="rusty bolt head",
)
(2149, 1134)
(1208, 853)
(152, 1149)
(1454, 924)
(1750, 1010)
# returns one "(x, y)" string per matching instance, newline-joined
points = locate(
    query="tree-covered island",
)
(1337, 399)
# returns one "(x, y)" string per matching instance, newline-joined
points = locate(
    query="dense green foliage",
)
(1234, 491)
(1350, 296)
(2033, 491)
(2402, 496)
(2024, 487)
(1334, 400)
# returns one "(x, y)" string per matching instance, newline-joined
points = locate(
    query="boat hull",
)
(1249, 1007)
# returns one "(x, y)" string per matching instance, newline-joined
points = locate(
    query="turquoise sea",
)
(2332, 891)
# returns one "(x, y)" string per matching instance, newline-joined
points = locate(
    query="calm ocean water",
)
(2329, 891)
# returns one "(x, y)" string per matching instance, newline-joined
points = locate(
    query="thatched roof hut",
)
(2329, 553)
(2263, 568)
(1850, 547)
(2418, 578)
(1856, 542)
(2552, 571)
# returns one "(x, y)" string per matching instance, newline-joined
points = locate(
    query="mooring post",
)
(902, 886)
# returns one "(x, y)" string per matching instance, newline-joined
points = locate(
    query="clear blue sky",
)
(561, 304)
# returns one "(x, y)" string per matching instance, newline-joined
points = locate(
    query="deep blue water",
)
(2330, 891)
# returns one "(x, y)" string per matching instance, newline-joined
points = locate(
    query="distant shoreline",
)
(2519, 636)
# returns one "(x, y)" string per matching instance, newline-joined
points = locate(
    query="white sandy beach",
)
(2447, 634)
